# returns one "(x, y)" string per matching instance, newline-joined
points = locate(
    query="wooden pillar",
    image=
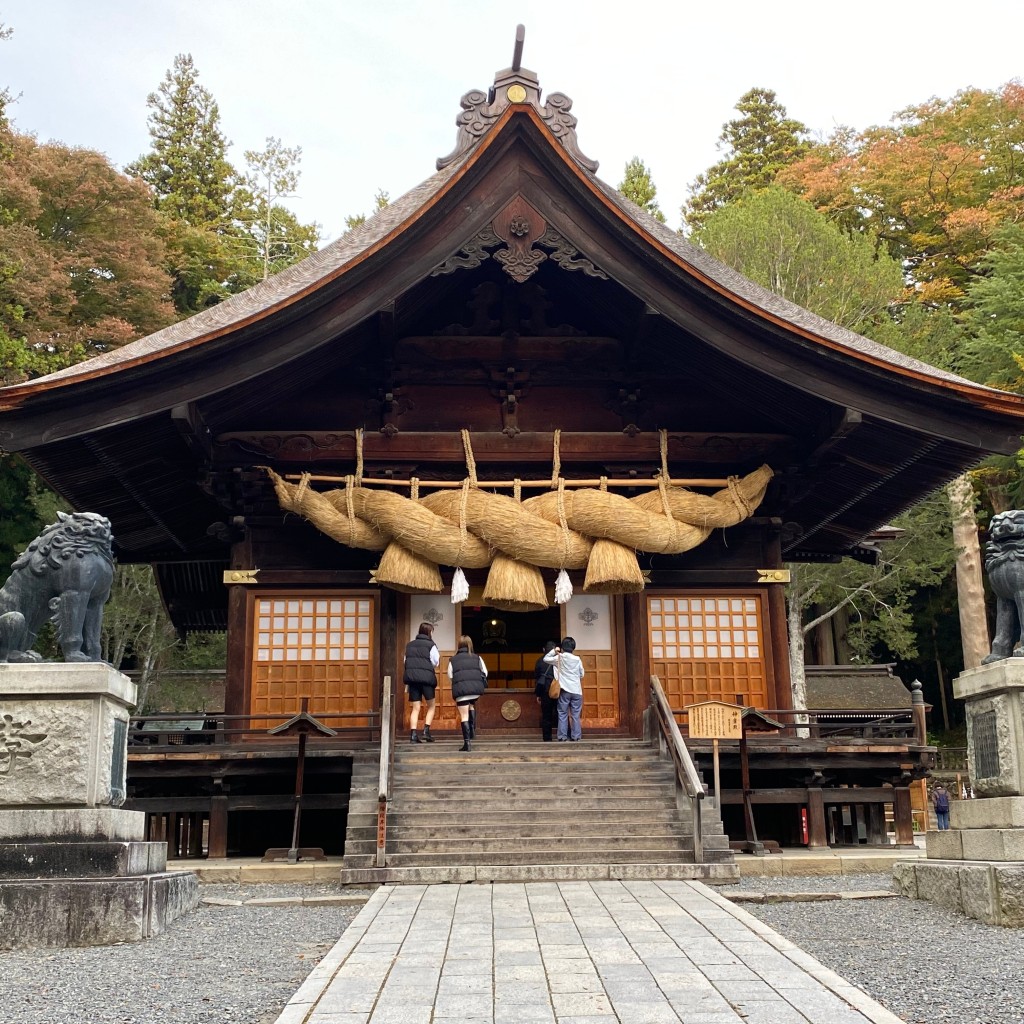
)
(172, 836)
(195, 844)
(817, 835)
(903, 816)
(235, 696)
(877, 835)
(636, 661)
(218, 839)
(783, 695)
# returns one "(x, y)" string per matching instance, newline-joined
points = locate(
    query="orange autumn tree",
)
(934, 185)
(937, 186)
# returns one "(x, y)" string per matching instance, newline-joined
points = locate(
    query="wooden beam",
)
(303, 447)
(189, 423)
(848, 423)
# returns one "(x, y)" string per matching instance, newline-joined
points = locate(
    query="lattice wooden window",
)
(709, 647)
(316, 646)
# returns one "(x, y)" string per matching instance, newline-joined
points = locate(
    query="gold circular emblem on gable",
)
(516, 94)
(511, 710)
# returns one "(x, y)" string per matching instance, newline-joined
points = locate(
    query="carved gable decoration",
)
(519, 225)
(520, 239)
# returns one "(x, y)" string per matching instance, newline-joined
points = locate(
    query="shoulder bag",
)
(554, 688)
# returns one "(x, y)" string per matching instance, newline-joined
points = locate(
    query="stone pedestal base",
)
(995, 844)
(84, 877)
(977, 866)
(988, 891)
(93, 911)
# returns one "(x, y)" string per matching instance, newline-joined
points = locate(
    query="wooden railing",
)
(670, 739)
(387, 760)
(175, 730)
(951, 759)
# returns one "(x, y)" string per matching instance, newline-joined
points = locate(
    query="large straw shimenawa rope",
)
(562, 529)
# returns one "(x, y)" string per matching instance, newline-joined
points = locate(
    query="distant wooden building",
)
(516, 297)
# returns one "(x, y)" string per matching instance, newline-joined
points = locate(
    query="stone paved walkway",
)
(571, 953)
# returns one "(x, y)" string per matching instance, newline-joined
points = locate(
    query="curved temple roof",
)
(872, 430)
(516, 93)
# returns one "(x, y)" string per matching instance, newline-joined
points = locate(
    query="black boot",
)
(465, 736)
(427, 738)
(472, 723)
(413, 738)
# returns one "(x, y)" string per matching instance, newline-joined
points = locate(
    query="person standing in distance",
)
(421, 661)
(940, 800)
(468, 674)
(569, 673)
(543, 674)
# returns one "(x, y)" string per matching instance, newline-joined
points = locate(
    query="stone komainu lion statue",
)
(64, 575)
(1004, 564)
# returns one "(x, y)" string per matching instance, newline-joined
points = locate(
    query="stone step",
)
(438, 753)
(516, 819)
(711, 873)
(455, 845)
(400, 829)
(482, 791)
(411, 773)
(513, 805)
(568, 809)
(542, 855)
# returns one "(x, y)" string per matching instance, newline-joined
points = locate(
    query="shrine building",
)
(514, 376)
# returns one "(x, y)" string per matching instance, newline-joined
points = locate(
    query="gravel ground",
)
(926, 964)
(229, 965)
(240, 965)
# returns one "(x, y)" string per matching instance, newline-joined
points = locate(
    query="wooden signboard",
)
(715, 720)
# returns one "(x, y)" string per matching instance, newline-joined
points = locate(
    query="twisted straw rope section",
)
(530, 531)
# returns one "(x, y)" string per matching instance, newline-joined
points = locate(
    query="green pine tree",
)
(187, 168)
(757, 145)
(637, 187)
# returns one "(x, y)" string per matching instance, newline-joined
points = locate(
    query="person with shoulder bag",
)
(422, 659)
(940, 800)
(468, 674)
(569, 672)
(545, 677)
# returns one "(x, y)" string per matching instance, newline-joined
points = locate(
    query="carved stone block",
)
(63, 735)
(978, 893)
(940, 884)
(994, 704)
(1010, 889)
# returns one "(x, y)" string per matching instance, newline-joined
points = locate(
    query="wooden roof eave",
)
(885, 386)
(877, 386)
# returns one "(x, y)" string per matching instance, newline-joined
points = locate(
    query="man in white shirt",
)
(569, 672)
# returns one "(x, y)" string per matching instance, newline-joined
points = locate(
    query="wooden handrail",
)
(387, 752)
(686, 770)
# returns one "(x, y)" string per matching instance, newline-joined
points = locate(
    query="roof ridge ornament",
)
(514, 85)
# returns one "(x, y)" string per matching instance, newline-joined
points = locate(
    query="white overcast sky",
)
(370, 90)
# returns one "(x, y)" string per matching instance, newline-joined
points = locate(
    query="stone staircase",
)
(522, 810)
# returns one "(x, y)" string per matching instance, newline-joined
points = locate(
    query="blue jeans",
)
(943, 817)
(570, 707)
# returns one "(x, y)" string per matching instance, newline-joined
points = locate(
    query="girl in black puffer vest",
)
(468, 674)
